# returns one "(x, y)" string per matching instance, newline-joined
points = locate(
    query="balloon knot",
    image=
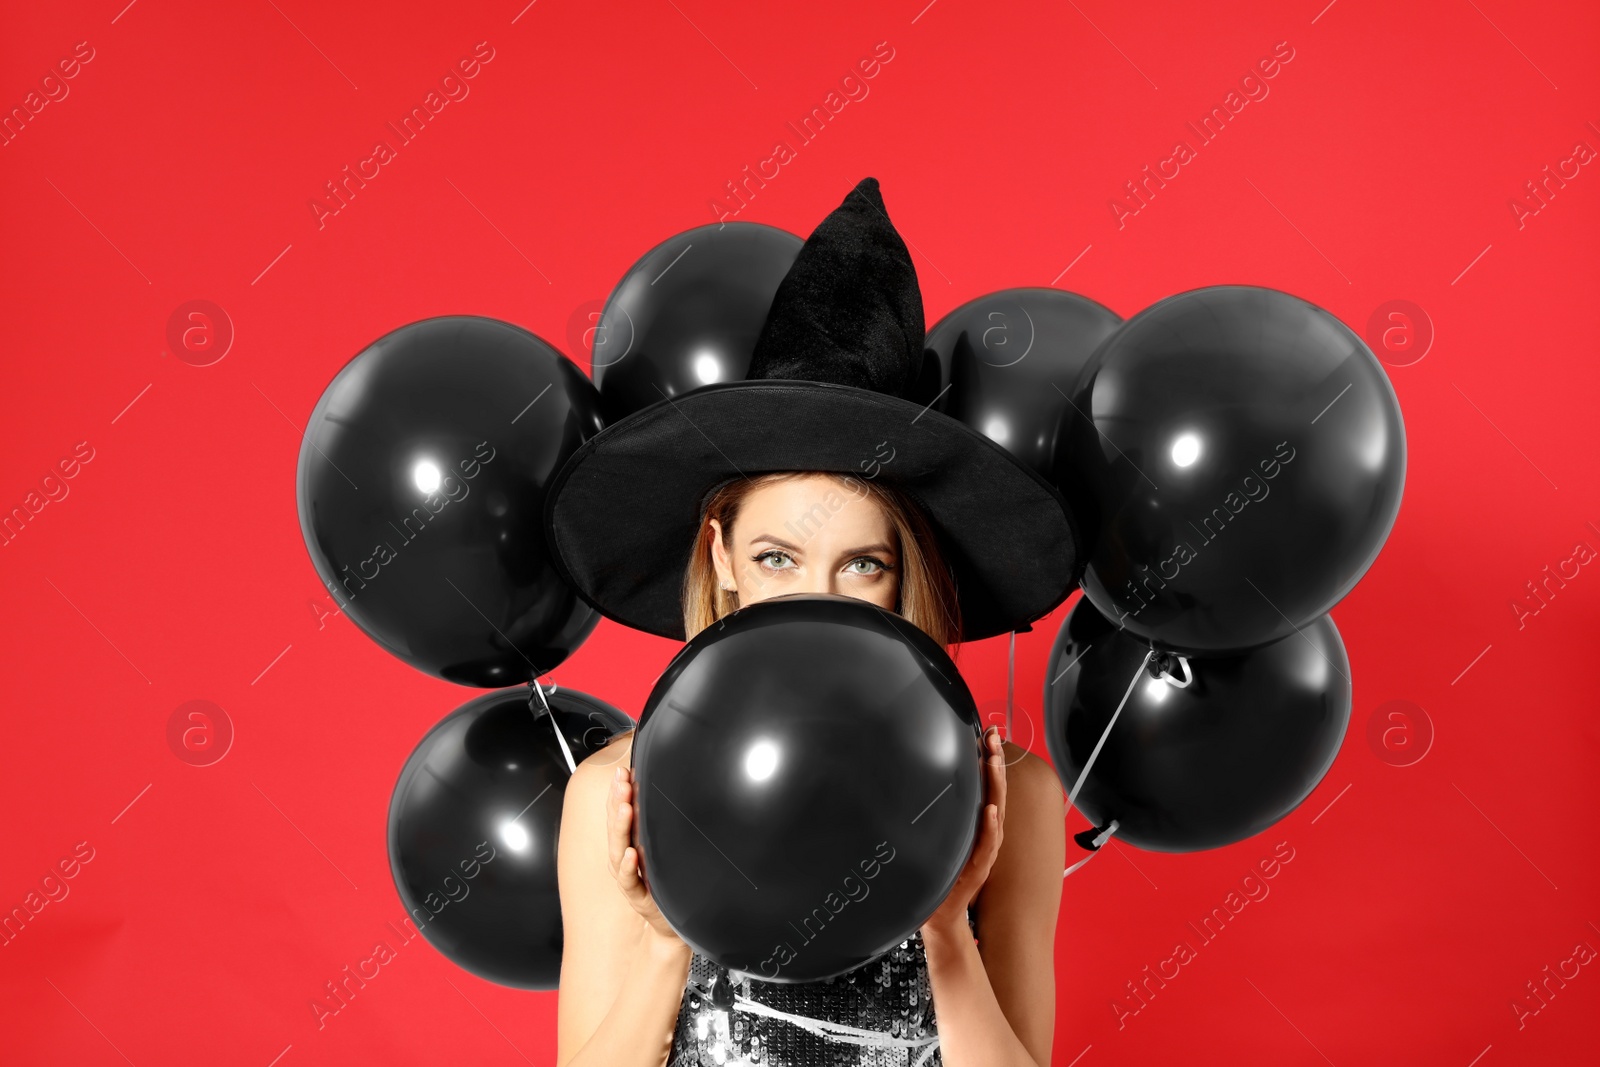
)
(1095, 836)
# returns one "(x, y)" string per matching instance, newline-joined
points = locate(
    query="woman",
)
(816, 474)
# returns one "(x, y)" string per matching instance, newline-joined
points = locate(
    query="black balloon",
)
(688, 313)
(473, 830)
(809, 786)
(1192, 768)
(1243, 467)
(1011, 360)
(421, 487)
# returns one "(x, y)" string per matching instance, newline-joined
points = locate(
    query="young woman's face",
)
(809, 534)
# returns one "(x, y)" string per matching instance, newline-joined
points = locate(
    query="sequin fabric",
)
(890, 995)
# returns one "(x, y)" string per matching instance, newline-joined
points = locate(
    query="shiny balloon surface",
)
(688, 313)
(1202, 766)
(1242, 467)
(473, 830)
(421, 486)
(808, 775)
(1011, 360)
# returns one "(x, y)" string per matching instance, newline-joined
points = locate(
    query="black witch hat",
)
(841, 349)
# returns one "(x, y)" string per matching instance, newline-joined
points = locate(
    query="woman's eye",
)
(864, 565)
(775, 560)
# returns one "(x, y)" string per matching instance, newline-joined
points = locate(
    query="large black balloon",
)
(688, 313)
(809, 786)
(473, 830)
(421, 491)
(1243, 467)
(1011, 360)
(1202, 766)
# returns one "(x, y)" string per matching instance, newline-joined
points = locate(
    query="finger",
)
(996, 767)
(618, 821)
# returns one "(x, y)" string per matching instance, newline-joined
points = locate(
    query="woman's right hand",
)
(624, 858)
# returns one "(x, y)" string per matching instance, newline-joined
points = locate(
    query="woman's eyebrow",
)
(878, 547)
(780, 542)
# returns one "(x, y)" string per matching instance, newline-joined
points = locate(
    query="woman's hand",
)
(952, 914)
(624, 858)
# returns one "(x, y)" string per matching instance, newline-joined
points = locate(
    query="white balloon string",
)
(832, 1031)
(1101, 838)
(572, 767)
(1073, 795)
(1011, 682)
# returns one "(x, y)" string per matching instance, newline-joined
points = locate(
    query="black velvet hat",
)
(841, 349)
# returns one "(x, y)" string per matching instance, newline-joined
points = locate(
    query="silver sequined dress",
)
(889, 996)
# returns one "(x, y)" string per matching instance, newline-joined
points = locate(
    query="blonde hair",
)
(927, 591)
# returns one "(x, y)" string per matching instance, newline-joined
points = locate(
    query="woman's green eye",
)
(865, 565)
(778, 561)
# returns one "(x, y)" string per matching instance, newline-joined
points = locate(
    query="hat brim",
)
(622, 514)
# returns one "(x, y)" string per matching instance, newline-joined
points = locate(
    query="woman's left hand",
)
(952, 914)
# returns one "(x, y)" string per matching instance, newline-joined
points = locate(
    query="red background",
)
(1420, 899)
